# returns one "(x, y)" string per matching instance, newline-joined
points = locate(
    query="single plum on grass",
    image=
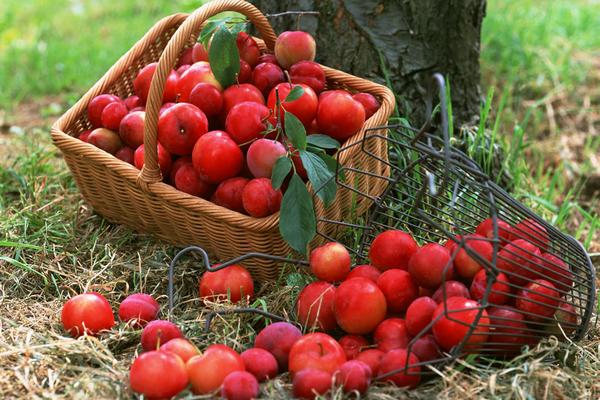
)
(453, 320)
(278, 338)
(240, 385)
(353, 376)
(391, 334)
(140, 308)
(399, 359)
(353, 345)
(430, 265)
(315, 306)
(330, 262)
(316, 350)
(311, 382)
(87, 313)
(359, 306)
(419, 315)
(208, 370)
(180, 347)
(233, 282)
(260, 363)
(158, 375)
(392, 249)
(399, 289)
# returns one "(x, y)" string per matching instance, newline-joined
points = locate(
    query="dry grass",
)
(66, 249)
(569, 132)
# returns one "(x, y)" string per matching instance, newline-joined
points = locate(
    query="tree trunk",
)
(399, 41)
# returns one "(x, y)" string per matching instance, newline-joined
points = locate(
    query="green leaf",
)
(313, 149)
(320, 175)
(323, 141)
(295, 132)
(224, 56)
(297, 222)
(329, 160)
(238, 27)
(294, 94)
(281, 169)
(209, 29)
(332, 165)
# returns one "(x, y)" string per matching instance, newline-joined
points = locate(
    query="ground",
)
(541, 59)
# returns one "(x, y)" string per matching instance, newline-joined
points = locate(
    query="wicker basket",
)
(140, 200)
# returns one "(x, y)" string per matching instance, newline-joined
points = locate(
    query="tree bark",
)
(401, 42)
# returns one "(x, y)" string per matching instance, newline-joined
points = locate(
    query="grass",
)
(540, 71)
(542, 100)
(543, 66)
(53, 42)
(545, 49)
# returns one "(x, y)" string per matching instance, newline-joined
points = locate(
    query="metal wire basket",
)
(438, 194)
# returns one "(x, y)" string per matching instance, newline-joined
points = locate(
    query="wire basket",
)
(437, 194)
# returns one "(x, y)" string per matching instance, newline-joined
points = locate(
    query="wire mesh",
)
(538, 281)
(438, 194)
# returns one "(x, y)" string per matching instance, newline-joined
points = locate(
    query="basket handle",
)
(151, 172)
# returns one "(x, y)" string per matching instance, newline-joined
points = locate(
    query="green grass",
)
(538, 44)
(53, 246)
(544, 189)
(64, 46)
(532, 50)
(535, 44)
(536, 56)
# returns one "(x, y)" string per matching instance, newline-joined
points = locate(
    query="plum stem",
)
(158, 335)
